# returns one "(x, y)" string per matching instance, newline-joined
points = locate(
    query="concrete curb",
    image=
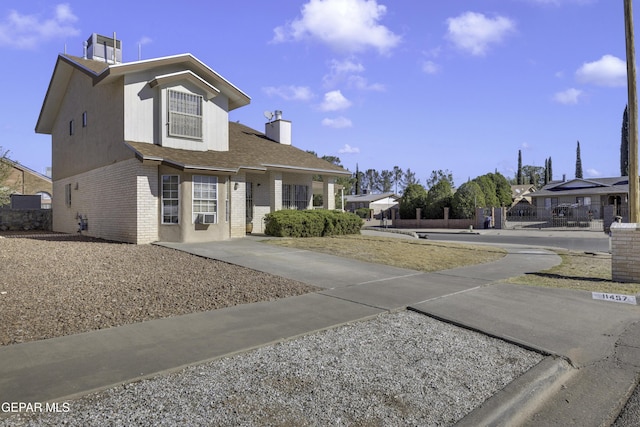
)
(521, 397)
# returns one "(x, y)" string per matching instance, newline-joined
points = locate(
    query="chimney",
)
(105, 49)
(279, 130)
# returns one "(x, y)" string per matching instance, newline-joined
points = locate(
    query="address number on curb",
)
(625, 299)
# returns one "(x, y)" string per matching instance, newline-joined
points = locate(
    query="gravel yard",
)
(400, 368)
(58, 285)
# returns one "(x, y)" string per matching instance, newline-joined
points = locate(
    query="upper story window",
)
(185, 114)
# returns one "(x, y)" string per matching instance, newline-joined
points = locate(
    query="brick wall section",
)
(625, 252)
(119, 201)
(25, 220)
(238, 206)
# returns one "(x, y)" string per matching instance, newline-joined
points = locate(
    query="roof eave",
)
(237, 98)
(305, 169)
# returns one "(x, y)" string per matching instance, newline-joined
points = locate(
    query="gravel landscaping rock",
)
(401, 368)
(58, 284)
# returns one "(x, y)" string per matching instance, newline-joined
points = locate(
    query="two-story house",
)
(144, 151)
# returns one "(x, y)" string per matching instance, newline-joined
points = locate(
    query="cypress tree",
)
(550, 170)
(546, 171)
(519, 179)
(624, 145)
(578, 162)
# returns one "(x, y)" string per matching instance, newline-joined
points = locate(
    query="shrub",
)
(311, 223)
(363, 212)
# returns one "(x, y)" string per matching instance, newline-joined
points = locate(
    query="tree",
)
(466, 199)
(624, 145)
(534, 174)
(371, 181)
(358, 179)
(550, 170)
(386, 180)
(397, 177)
(503, 188)
(488, 188)
(438, 197)
(578, 162)
(546, 171)
(439, 175)
(409, 178)
(5, 170)
(519, 178)
(414, 196)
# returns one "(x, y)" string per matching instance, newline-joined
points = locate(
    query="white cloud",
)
(607, 71)
(475, 33)
(290, 93)
(334, 101)
(430, 67)
(346, 66)
(349, 71)
(337, 123)
(362, 83)
(593, 173)
(570, 96)
(347, 149)
(144, 40)
(525, 146)
(344, 25)
(28, 31)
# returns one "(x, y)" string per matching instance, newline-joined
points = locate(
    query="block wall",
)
(119, 202)
(625, 252)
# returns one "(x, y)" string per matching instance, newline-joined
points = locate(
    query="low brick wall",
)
(432, 223)
(625, 252)
(25, 220)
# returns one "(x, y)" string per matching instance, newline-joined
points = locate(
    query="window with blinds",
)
(185, 114)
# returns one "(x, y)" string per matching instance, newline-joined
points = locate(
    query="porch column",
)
(275, 191)
(238, 205)
(328, 192)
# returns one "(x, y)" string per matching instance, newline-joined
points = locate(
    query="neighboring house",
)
(144, 151)
(25, 181)
(376, 203)
(521, 204)
(590, 195)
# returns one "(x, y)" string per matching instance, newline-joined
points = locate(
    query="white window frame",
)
(170, 198)
(204, 200)
(184, 112)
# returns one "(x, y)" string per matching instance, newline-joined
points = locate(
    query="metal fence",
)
(558, 217)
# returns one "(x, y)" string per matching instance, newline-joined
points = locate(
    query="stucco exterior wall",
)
(146, 115)
(119, 202)
(186, 230)
(97, 144)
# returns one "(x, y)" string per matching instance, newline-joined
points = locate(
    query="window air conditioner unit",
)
(206, 219)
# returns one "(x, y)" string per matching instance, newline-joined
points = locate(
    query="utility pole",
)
(634, 203)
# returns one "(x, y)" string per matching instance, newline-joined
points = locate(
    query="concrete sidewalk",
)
(588, 342)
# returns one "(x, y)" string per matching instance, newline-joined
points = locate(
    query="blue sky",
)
(459, 85)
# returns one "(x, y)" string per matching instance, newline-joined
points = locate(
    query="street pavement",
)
(592, 346)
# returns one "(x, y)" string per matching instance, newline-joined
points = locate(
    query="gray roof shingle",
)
(248, 149)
